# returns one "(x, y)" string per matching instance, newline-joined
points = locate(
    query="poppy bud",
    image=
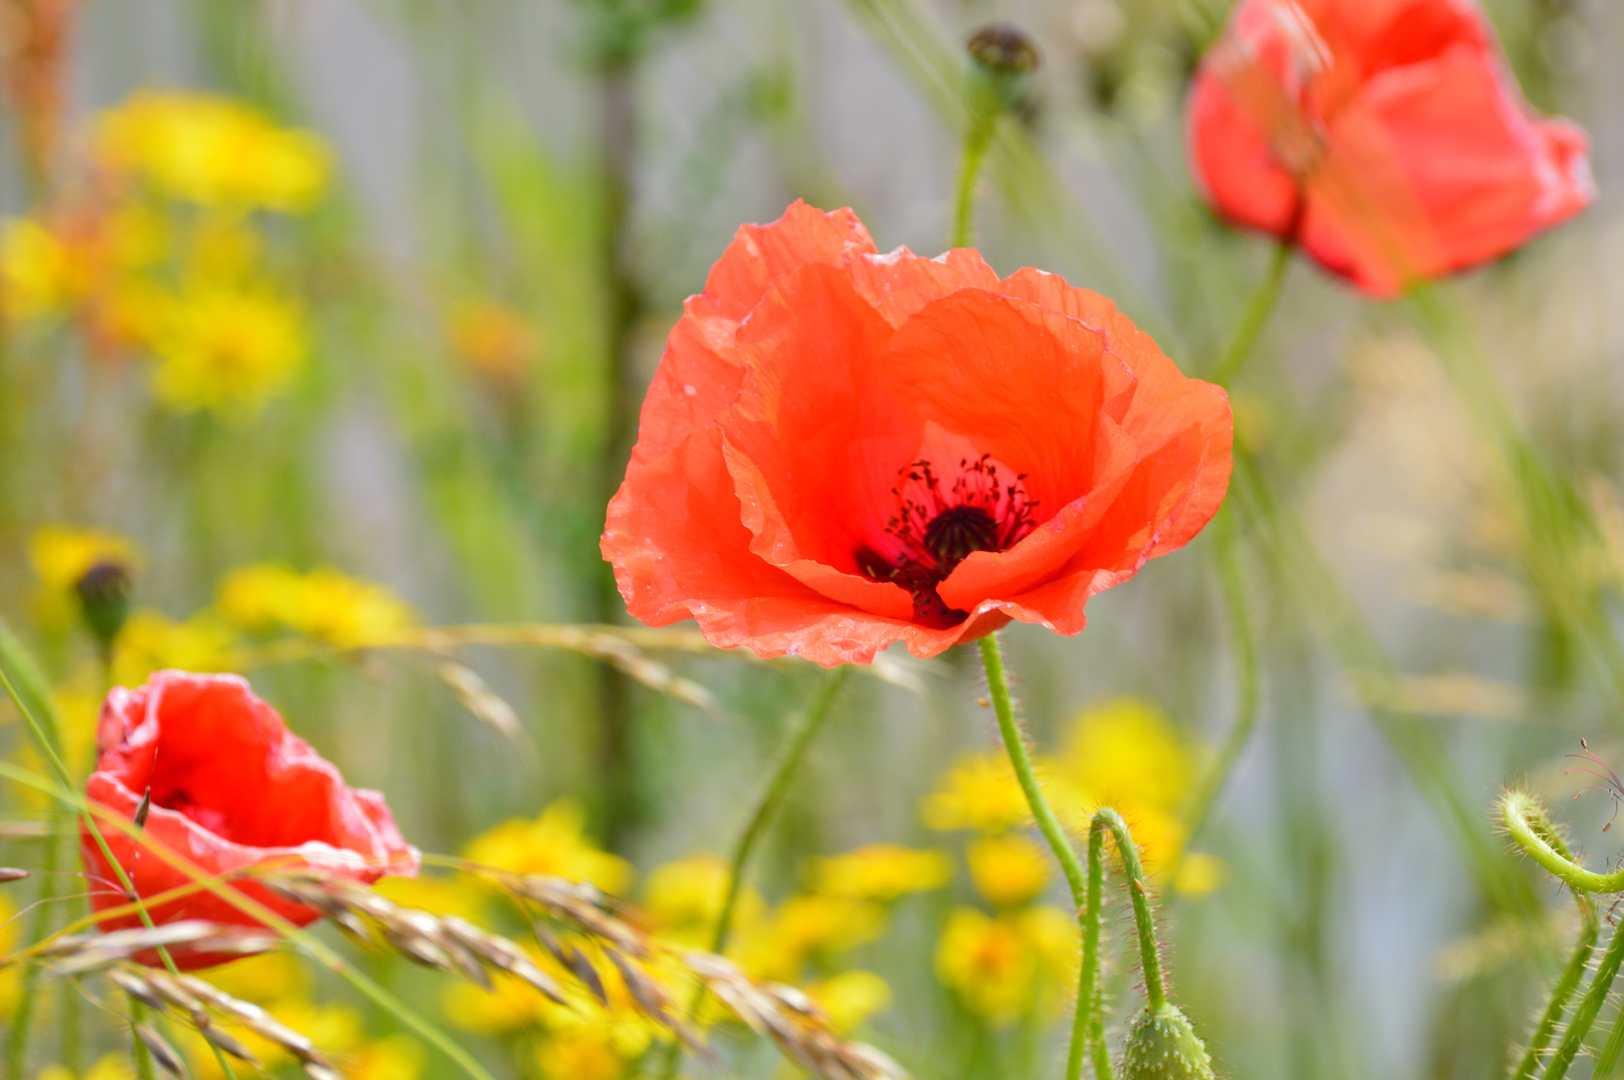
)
(1163, 1046)
(104, 599)
(1000, 49)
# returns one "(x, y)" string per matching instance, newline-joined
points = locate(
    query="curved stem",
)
(1150, 957)
(976, 140)
(1528, 826)
(1601, 985)
(772, 796)
(1003, 703)
(1566, 984)
(1244, 338)
(1607, 1060)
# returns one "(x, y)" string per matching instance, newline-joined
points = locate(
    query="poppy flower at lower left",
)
(231, 789)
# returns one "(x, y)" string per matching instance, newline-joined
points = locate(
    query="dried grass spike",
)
(135, 986)
(162, 1052)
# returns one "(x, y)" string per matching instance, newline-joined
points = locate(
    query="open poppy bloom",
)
(1387, 138)
(843, 449)
(230, 789)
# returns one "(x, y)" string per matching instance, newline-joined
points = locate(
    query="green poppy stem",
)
(772, 797)
(1601, 985)
(1238, 350)
(1003, 703)
(977, 138)
(1566, 984)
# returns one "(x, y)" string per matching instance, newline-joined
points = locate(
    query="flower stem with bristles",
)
(772, 796)
(1003, 702)
(977, 137)
(1088, 1030)
(1532, 831)
(1566, 984)
(1601, 985)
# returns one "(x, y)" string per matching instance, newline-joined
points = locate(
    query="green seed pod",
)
(1163, 1046)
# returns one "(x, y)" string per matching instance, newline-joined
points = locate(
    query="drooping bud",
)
(104, 599)
(1162, 1045)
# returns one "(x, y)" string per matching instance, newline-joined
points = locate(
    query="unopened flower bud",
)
(104, 598)
(1003, 50)
(1162, 1045)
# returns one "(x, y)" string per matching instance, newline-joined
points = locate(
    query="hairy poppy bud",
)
(1163, 1046)
(104, 598)
(1003, 50)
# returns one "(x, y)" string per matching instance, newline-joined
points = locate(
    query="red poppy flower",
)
(843, 449)
(230, 788)
(1386, 137)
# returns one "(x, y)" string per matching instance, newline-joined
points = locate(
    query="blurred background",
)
(331, 319)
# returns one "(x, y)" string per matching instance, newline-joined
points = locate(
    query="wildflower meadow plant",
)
(334, 415)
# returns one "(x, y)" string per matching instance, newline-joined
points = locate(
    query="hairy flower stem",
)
(1528, 826)
(1003, 702)
(1088, 1030)
(1566, 984)
(1601, 985)
(977, 138)
(772, 796)
(1238, 350)
(1607, 1060)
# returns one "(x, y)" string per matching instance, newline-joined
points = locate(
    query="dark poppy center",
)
(958, 531)
(939, 525)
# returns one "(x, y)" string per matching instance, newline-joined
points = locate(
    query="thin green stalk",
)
(1243, 643)
(1607, 1060)
(138, 1049)
(977, 137)
(772, 797)
(1566, 984)
(1003, 702)
(39, 926)
(1245, 336)
(1601, 985)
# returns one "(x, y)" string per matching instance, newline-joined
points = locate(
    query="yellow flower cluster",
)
(322, 604)
(60, 557)
(1021, 958)
(163, 254)
(1124, 753)
(214, 152)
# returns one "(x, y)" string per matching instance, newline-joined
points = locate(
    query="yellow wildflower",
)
(152, 642)
(809, 924)
(1127, 753)
(463, 895)
(322, 604)
(214, 152)
(881, 872)
(490, 339)
(581, 1054)
(1199, 874)
(11, 978)
(1003, 967)
(62, 555)
(226, 347)
(36, 271)
(850, 998)
(684, 899)
(107, 1067)
(394, 1057)
(333, 1028)
(1008, 870)
(979, 792)
(555, 844)
(224, 246)
(987, 962)
(262, 979)
(511, 1004)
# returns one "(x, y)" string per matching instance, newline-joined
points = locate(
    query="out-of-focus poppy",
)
(843, 449)
(1386, 137)
(230, 789)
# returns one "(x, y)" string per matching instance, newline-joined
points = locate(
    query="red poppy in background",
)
(843, 449)
(231, 788)
(1386, 137)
